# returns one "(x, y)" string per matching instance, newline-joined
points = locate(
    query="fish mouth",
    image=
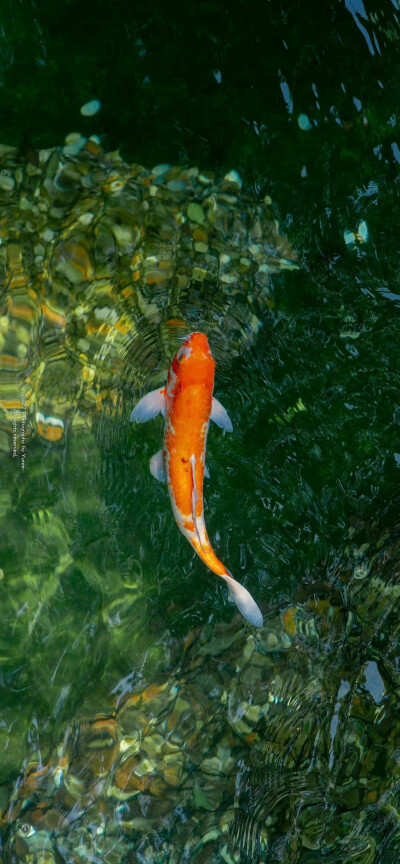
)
(196, 345)
(195, 335)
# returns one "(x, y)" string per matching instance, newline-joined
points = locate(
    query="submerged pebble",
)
(176, 186)
(91, 108)
(158, 170)
(362, 232)
(7, 183)
(304, 123)
(195, 212)
(349, 237)
(234, 177)
(74, 148)
(361, 235)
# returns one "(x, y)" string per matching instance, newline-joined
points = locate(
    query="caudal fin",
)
(244, 602)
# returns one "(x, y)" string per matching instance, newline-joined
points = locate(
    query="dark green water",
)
(100, 596)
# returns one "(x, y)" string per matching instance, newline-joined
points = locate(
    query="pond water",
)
(238, 175)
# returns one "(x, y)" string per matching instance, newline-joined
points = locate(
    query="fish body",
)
(187, 404)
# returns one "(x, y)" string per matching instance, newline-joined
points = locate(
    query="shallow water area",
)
(140, 718)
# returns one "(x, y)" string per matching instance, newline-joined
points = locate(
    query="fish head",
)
(193, 364)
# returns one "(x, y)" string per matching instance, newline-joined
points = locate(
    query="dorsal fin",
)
(195, 498)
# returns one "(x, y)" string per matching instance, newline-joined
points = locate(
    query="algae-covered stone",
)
(195, 212)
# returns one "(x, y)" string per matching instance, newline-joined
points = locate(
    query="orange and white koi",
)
(188, 405)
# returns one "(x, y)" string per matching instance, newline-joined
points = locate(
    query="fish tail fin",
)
(244, 601)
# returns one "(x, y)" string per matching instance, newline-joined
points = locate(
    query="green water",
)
(101, 597)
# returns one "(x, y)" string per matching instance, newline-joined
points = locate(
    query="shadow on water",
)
(140, 719)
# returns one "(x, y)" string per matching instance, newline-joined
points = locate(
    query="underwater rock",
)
(89, 109)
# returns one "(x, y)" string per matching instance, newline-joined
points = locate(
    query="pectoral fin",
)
(149, 406)
(244, 602)
(157, 466)
(220, 416)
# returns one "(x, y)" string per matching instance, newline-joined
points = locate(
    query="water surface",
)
(109, 618)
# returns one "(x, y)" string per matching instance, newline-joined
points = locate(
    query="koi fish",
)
(188, 405)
